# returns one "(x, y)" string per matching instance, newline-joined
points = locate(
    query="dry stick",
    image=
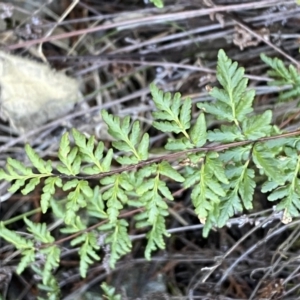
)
(150, 20)
(281, 250)
(261, 38)
(212, 269)
(67, 11)
(177, 155)
(172, 65)
(251, 249)
(206, 28)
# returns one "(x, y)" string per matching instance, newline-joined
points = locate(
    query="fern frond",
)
(15, 239)
(71, 162)
(28, 257)
(115, 194)
(265, 160)
(39, 231)
(52, 259)
(19, 173)
(77, 198)
(158, 3)
(198, 132)
(48, 191)
(110, 292)
(42, 166)
(128, 139)
(51, 289)
(24, 245)
(233, 101)
(283, 76)
(258, 126)
(240, 190)
(86, 148)
(226, 134)
(87, 251)
(289, 192)
(152, 191)
(51, 253)
(174, 114)
(95, 205)
(156, 236)
(118, 240)
(207, 181)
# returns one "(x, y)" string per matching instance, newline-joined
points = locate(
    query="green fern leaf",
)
(4, 176)
(95, 205)
(126, 141)
(155, 236)
(42, 166)
(143, 147)
(185, 113)
(258, 126)
(162, 187)
(86, 147)
(17, 165)
(233, 102)
(290, 204)
(211, 220)
(179, 144)
(202, 197)
(64, 146)
(87, 252)
(167, 126)
(215, 167)
(28, 257)
(135, 133)
(114, 125)
(16, 185)
(63, 170)
(69, 157)
(76, 226)
(52, 260)
(279, 193)
(48, 191)
(30, 186)
(158, 3)
(115, 196)
(127, 160)
(198, 132)
(226, 134)
(110, 292)
(76, 199)
(283, 76)
(268, 186)
(14, 238)
(240, 190)
(266, 163)
(70, 184)
(172, 115)
(166, 169)
(236, 154)
(118, 239)
(229, 206)
(246, 188)
(106, 162)
(51, 288)
(145, 186)
(40, 232)
(220, 110)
